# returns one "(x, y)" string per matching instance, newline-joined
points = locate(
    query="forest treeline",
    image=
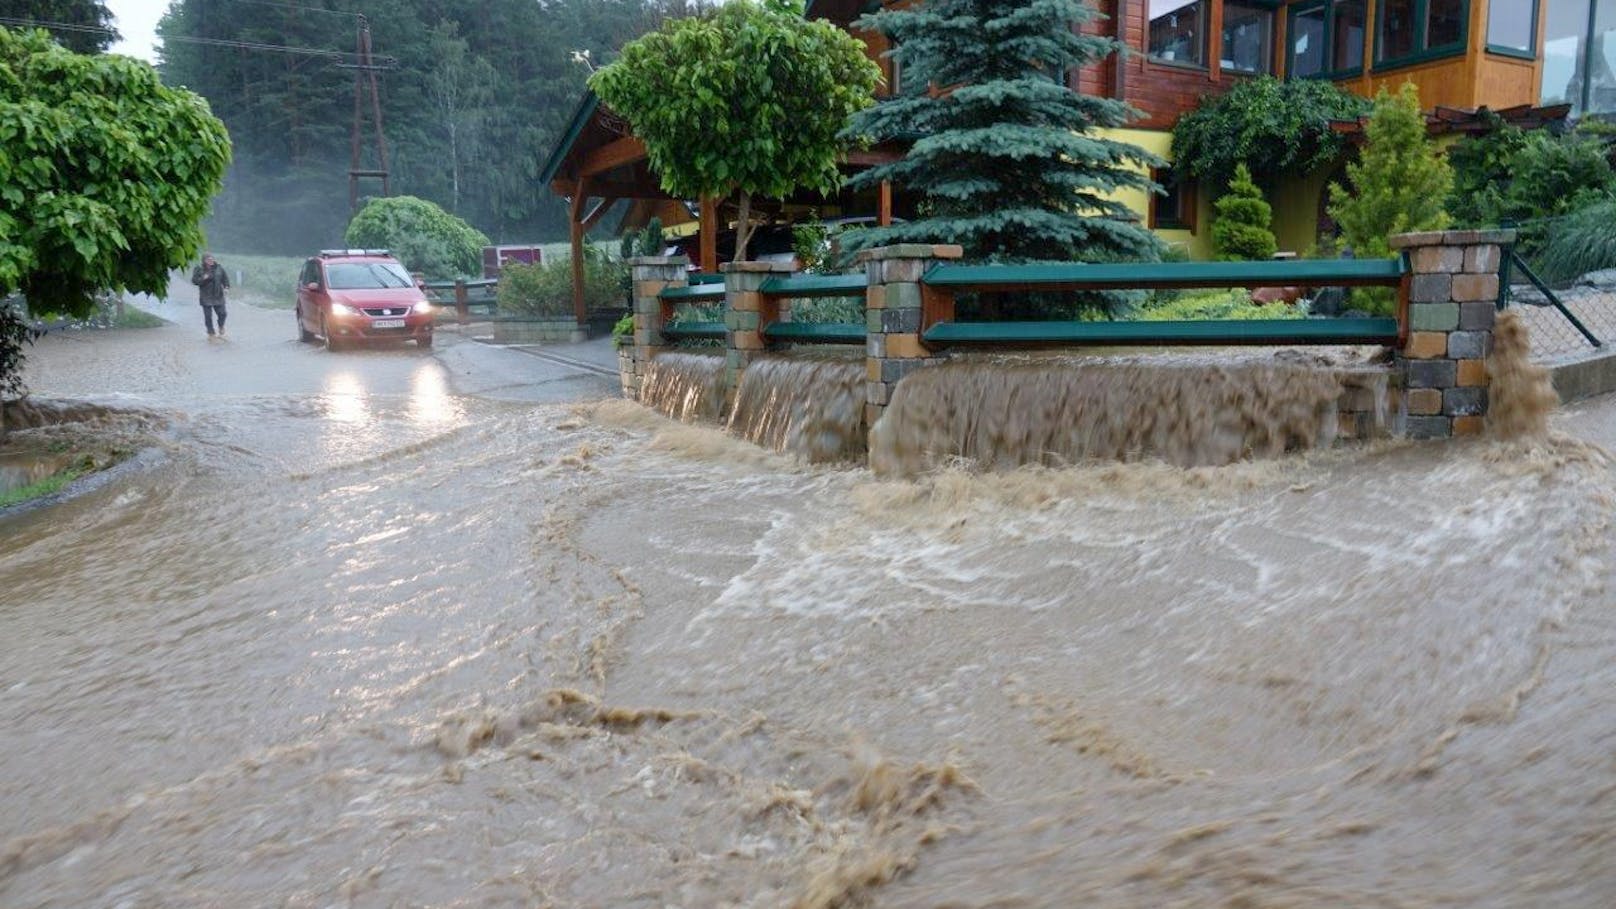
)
(480, 93)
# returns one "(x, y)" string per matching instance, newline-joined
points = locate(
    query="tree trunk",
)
(743, 227)
(454, 167)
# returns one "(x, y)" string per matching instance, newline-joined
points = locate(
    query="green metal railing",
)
(1512, 261)
(942, 282)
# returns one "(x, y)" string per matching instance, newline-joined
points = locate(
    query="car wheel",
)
(424, 342)
(303, 334)
(331, 343)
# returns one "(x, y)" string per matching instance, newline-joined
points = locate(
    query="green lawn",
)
(267, 281)
(48, 486)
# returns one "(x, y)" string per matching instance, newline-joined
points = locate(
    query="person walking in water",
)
(211, 280)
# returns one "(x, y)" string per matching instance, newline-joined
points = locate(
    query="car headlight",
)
(343, 309)
(424, 306)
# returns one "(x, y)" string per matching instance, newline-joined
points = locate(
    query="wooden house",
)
(1509, 56)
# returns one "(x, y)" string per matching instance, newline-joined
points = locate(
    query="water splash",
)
(1003, 412)
(810, 407)
(1522, 394)
(684, 386)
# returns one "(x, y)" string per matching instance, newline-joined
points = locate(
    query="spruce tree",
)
(1006, 160)
(1242, 228)
(1399, 185)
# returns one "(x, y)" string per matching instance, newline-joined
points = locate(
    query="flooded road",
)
(390, 628)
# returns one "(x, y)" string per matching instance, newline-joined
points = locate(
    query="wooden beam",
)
(709, 235)
(614, 154)
(595, 214)
(576, 231)
(883, 215)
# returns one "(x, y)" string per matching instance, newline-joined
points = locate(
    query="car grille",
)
(387, 311)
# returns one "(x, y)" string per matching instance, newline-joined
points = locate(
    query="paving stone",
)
(1431, 289)
(1478, 315)
(1429, 427)
(1464, 402)
(1432, 373)
(1468, 345)
(1433, 316)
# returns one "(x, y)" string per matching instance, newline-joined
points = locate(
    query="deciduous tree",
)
(105, 174)
(748, 101)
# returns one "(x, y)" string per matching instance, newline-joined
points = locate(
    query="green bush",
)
(1580, 243)
(423, 236)
(623, 330)
(1271, 125)
(1242, 229)
(1509, 174)
(1216, 305)
(647, 242)
(546, 290)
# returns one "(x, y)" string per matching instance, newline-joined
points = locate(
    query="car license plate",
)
(387, 323)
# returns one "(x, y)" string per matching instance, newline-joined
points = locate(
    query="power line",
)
(345, 59)
(303, 9)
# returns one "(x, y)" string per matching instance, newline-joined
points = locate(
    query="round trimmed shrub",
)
(423, 236)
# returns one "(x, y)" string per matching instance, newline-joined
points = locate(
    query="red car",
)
(356, 296)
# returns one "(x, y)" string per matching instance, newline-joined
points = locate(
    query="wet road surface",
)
(397, 628)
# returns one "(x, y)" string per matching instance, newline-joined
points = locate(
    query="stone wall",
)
(746, 312)
(895, 314)
(1436, 387)
(650, 275)
(1452, 304)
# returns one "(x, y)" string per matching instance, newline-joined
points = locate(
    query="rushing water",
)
(351, 647)
(1004, 412)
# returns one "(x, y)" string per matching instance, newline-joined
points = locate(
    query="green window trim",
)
(1504, 50)
(1514, 52)
(1422, 9)
(1328, 42)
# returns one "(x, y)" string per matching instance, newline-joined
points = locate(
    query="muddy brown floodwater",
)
(361, 639)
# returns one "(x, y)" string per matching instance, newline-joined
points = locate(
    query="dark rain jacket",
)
(211, 282)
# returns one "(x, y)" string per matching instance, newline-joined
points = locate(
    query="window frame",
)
(1206, 40)
(1274, 9)
(1327, 73)
(1421, 54)
(1507, 51)
(1188, 201)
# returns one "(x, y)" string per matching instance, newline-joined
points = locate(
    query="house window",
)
(1248, 37)
(1412, 30)
(1176, 209)
(1512, 28)
(1326, 39)
(1602, 62)
(1178, 31)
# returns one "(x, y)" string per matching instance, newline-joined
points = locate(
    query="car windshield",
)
(366, 275)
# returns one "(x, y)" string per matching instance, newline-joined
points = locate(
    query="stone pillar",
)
(746, 312)
(1452, 303)
(894, 314)
(650, 276)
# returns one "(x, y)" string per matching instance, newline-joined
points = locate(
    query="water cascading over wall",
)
(685, 386)
(1002, 412)
(813, 407)
(810, 406)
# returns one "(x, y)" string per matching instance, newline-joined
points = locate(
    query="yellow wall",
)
(1198, 243)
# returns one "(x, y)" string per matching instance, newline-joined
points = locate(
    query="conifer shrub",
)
(1242, 228)
(1399, 185)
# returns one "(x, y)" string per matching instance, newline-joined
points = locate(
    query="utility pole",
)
(365, 76)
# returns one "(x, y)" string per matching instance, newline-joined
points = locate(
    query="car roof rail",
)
(327, 253)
